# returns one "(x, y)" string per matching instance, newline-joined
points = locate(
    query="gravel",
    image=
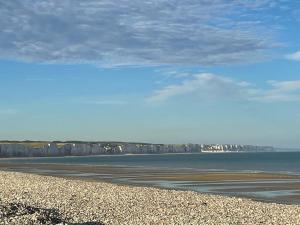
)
(27, 199)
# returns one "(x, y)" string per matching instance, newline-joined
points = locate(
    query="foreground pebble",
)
(27, 199)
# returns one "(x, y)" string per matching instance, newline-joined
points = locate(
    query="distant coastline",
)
(81, 148)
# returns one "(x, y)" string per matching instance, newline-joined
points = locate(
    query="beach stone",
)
(27, 199)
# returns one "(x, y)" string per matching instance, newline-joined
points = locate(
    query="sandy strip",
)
(79, 202)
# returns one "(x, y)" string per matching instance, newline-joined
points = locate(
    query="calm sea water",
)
(286, 162)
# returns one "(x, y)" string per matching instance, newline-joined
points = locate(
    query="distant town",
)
(78, 148)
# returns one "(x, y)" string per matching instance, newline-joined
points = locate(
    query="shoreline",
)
(100, 203)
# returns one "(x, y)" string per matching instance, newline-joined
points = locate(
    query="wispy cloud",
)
(280, 91)
(294, 56)
(209, 86)
(135, 32)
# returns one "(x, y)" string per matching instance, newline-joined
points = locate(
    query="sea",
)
(279, 162)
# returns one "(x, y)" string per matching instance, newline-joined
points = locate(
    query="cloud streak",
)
(294, 56)
(207, 86)
(123, 32)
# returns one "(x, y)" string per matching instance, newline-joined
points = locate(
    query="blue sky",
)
(162, 71)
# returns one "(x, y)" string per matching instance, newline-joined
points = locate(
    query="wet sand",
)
(142, 173)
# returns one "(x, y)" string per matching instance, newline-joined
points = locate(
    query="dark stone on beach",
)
(41, 216)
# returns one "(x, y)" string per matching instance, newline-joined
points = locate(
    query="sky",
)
(160, 71)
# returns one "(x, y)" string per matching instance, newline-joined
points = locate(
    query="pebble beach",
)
(27, 199)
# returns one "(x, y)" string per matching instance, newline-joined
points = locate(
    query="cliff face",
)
(82, 149)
